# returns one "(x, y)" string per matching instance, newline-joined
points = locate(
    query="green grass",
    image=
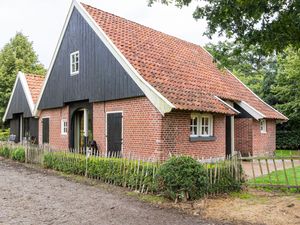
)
(287, 153)
(281, 178)
(242, 195)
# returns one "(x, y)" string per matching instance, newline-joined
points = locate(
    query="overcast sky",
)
(42, 20)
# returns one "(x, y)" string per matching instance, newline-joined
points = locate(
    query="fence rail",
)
(273, 172)
(127, 170)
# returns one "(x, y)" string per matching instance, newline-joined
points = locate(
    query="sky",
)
(42, 20)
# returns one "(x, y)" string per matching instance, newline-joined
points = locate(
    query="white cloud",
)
(42, 20)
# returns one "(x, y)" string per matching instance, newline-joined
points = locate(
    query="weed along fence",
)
(274, 172)
(208, 177)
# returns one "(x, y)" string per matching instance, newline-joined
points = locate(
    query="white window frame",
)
(64, 127)
(263, 126)
(199, 117)
(72, 63)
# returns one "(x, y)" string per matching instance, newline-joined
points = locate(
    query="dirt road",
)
(28, 196)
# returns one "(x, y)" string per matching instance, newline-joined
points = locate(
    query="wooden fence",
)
(273, 172)
(129, 171)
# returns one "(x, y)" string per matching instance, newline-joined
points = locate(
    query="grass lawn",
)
(281, 178)
(286, 153)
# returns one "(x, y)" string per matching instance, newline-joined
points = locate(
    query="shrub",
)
(5, 152)
(18, 154)
(182, 178)
(4, 135)
(288, 140)
(224, 177)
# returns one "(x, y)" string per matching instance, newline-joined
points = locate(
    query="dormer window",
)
(74, 63)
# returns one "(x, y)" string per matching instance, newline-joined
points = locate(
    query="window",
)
(263, 126)
(74, 63)
(201, 125)
(64, 127)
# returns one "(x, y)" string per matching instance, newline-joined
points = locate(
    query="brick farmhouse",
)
(133, 89)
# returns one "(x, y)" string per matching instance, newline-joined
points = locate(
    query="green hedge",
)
(4, 135)
(13, 153)
(288, 140)
(122, 172)
(178, 178)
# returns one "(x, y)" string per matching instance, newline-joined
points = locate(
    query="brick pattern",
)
(141, 126)
(264, 142)
(249, 139)
(243, 135)
(176, 133)
(148, 134)
(56, 139)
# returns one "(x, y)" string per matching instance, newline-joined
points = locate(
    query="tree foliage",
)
(255, 70)
(287, 86)
(271, 24)
(17, 55)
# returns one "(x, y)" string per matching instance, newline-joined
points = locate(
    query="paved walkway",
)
(32, 197)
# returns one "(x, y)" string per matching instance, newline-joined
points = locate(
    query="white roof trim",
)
(22, 78)
(228, 105)
(248, 87)
(251, 110)
(156, 98)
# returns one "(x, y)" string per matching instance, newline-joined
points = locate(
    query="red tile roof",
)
(182, 72)
(35, 83)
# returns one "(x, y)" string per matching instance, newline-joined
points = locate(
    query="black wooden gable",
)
(19, 103)
(100, 78)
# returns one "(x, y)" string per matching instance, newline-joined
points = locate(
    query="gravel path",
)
(29, 196)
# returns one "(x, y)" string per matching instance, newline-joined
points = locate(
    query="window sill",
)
(200, 138)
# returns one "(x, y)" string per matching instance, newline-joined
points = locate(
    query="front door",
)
(45, 124)
(114, 133)
(228, 136)
(78, 130)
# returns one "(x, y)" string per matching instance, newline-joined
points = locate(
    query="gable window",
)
(201, 125)
(263, 126)
(74, 63)
(64, 127)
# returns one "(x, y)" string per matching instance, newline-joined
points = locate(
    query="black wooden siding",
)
(14, 125)
(100, 78)
(19, 103)
(243, 113)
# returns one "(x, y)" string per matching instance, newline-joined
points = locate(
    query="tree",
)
(17, 55)
(270, 24)
(287, 87)
(250, 66)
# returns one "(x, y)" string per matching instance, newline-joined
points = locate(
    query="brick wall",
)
(176, 133)
(248, 137)
(141, 126)
(243, 135)
(264, 142)
(56, 139)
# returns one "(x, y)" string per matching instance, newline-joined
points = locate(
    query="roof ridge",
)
(150, 28)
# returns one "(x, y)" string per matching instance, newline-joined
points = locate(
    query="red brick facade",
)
(141, 126)
(148, 134)
(249, 139)
(56, 139)
(176, 133)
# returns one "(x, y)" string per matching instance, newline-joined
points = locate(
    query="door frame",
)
(232, 145)
(45, 117)
(122, 130)
(21, 131)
